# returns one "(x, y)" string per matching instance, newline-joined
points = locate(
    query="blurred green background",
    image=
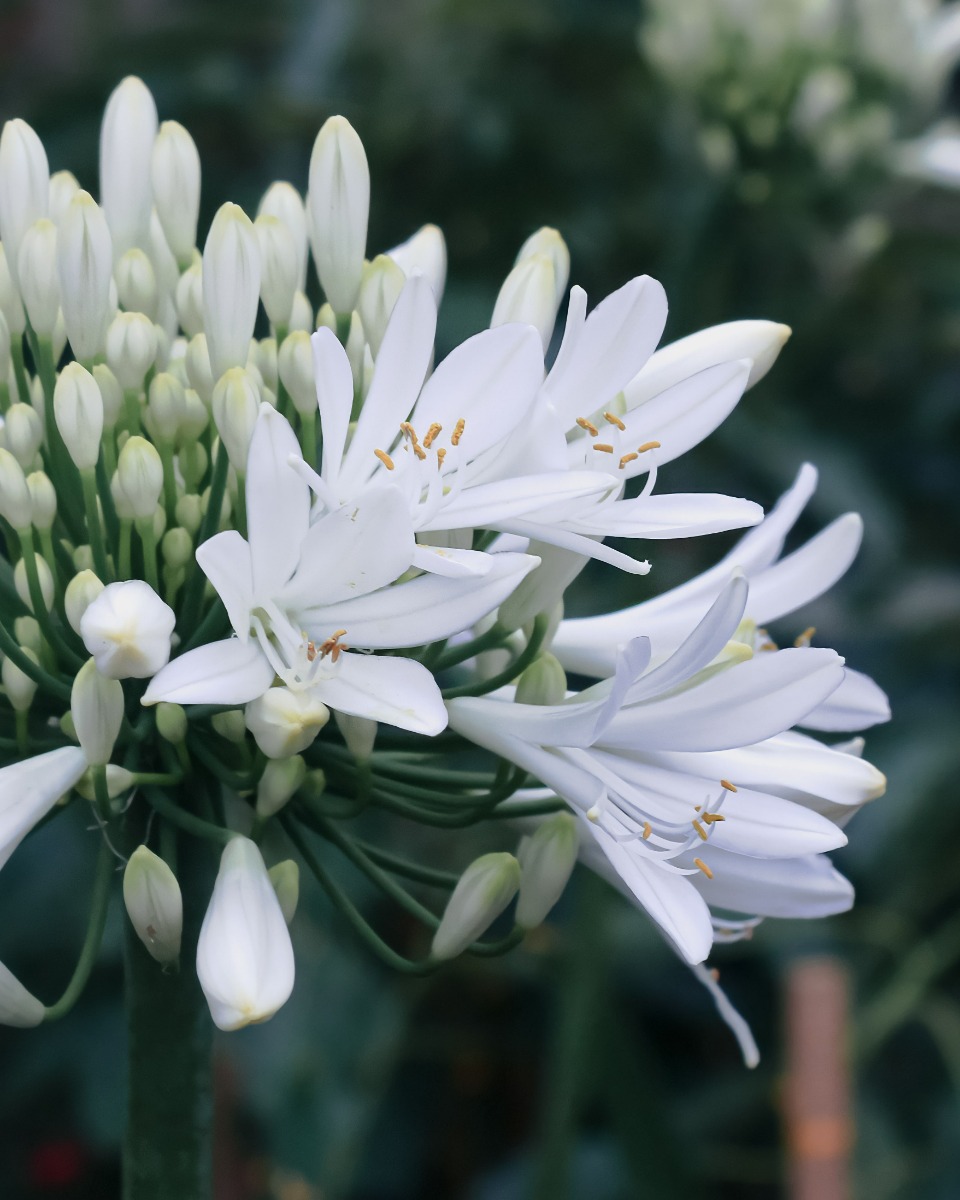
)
(589, 1064)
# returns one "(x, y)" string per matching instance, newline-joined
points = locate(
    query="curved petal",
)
(453, 563)
(396, 691)
(683, 514)
(857, 703)
(225, 560)
(29, 790)
(331, 369)
(227, 672)
(278, 503)
(806, 573)
(773, 887)
(489, 504)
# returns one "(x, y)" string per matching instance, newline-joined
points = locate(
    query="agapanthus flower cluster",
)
(269, 567)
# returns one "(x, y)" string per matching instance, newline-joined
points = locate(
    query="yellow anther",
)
(593, 813)
(419, 451)
(698, 862)
(710, 818)
(701, 832)
(407, 429)
(332, 647)
(431, 436)
(588, 426)
(696, 808)
(385, 459)
(805, 637)
(605, 447)
(458, 432)
(714, 974)
(627, 458)
(614, 420)
(727, 785)
(647, 830)
(648, 446)
(441, 455)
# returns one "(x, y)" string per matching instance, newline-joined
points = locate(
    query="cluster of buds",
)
(233, 510)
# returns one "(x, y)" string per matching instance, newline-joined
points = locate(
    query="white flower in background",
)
(244, 956)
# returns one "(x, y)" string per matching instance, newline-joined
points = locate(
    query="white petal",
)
(29, 790)
(225, 560)
(857, 703)
(490, 504)
(278, 503)
(453, 563)
(396, 691)
(683, 514)
(806, 573)
(773, 887)
(331, 369)
(227, 672)
(422, 610)
(578, 543)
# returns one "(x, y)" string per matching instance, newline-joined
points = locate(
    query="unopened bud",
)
(80, 593)
(131, 348)
(45, 576)
(18, 1007)
(543, 682)
(190, 300)
(295, 364)
(230, 725)
(15, 504)
(339, 202)
(484, 890)
(195, 419)
(283, 201)
(171, 722)
(19, 686)
(425, 252)
(151, 896)
(175, 171)
(127, 629)
(283, 722)
(280, 780)
(359, 733)
(63, 188)
(140, 476)
(547, 859)
(279, 266)
(10, 303)
(301, 315)
(26, 631)
(38, 276)
(193, 459)
(285, 877)
(43, 500)
(380, 288)
(85, 265)
(136, 281)
(24, 186)
(126, 147)
(549, 244)
(236, 403)
(189, 512)
(199, 370)
(97, 707)
(231, 288)
(176, 548)
(165, 404)
(23, 433)
(529, 296)
(111, 393)
(118, 779)
(78, 409)
(83, 557)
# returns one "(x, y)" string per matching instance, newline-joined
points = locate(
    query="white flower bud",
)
(96, 705)
(301, 315)
(85, 264)
(140, 476)
(359, 733)
(279, 265)
(175, 171)
(166, 404)
(529, 296)
(78, 409)
(131, 348)
(285, 877)
(37, 273)
(5, 347)
(20, 688)
(199, 370)
(339, 204)
(24, 187)
(356, 348)
(236, 404)
(43, 500)
(263, 355)
(111, 393)
(230, 725)
(484, 890)
(280, 779)
(118, 779)
(136, 282)
(244, 956)
(231, 288)
(63, 188)
(547, 859)
(151, 896)
(284, 722)
(83, 555)
(190, 300)
(193, 458)
(127, 629)
(543, 682)
(295, 366)
(81, 592)
(189, 512)
(18, 1008)
(23, 433)
(177, 548)
(126, 147)
(22, 584)
(10, 303)
(380, 287)
(283, 201)
(425, 252)
(549, 243)
(26, 631)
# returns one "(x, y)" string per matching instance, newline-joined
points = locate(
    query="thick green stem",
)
(167, 1147)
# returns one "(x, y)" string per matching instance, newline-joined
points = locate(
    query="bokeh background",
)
(746, 153)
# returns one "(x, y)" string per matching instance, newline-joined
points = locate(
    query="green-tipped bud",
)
(85, 265)
(529, 296)
(171, 722)
(285, 877)
(176, 548)
(136, 281)
(111, 393)
(543, 682)
(97, 707)
(15, 504)
(175, 171)
(380, 288)
(190, 300)
(231, 288)
(140, 476)
(339, 202)
(284, 722)
(151, 896)
(280, 780)
(43, 500)
(236, 403)
(279, 267)
(37, 272)
(131, 348)
(19, 686)
(547, 243)
(230, 725)
(189, 512)
(485, 889)
(22, 584)
(26, 631)
(23, 433)
(78, 409)
(295, 365)
(547, 859)
(166, 403)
